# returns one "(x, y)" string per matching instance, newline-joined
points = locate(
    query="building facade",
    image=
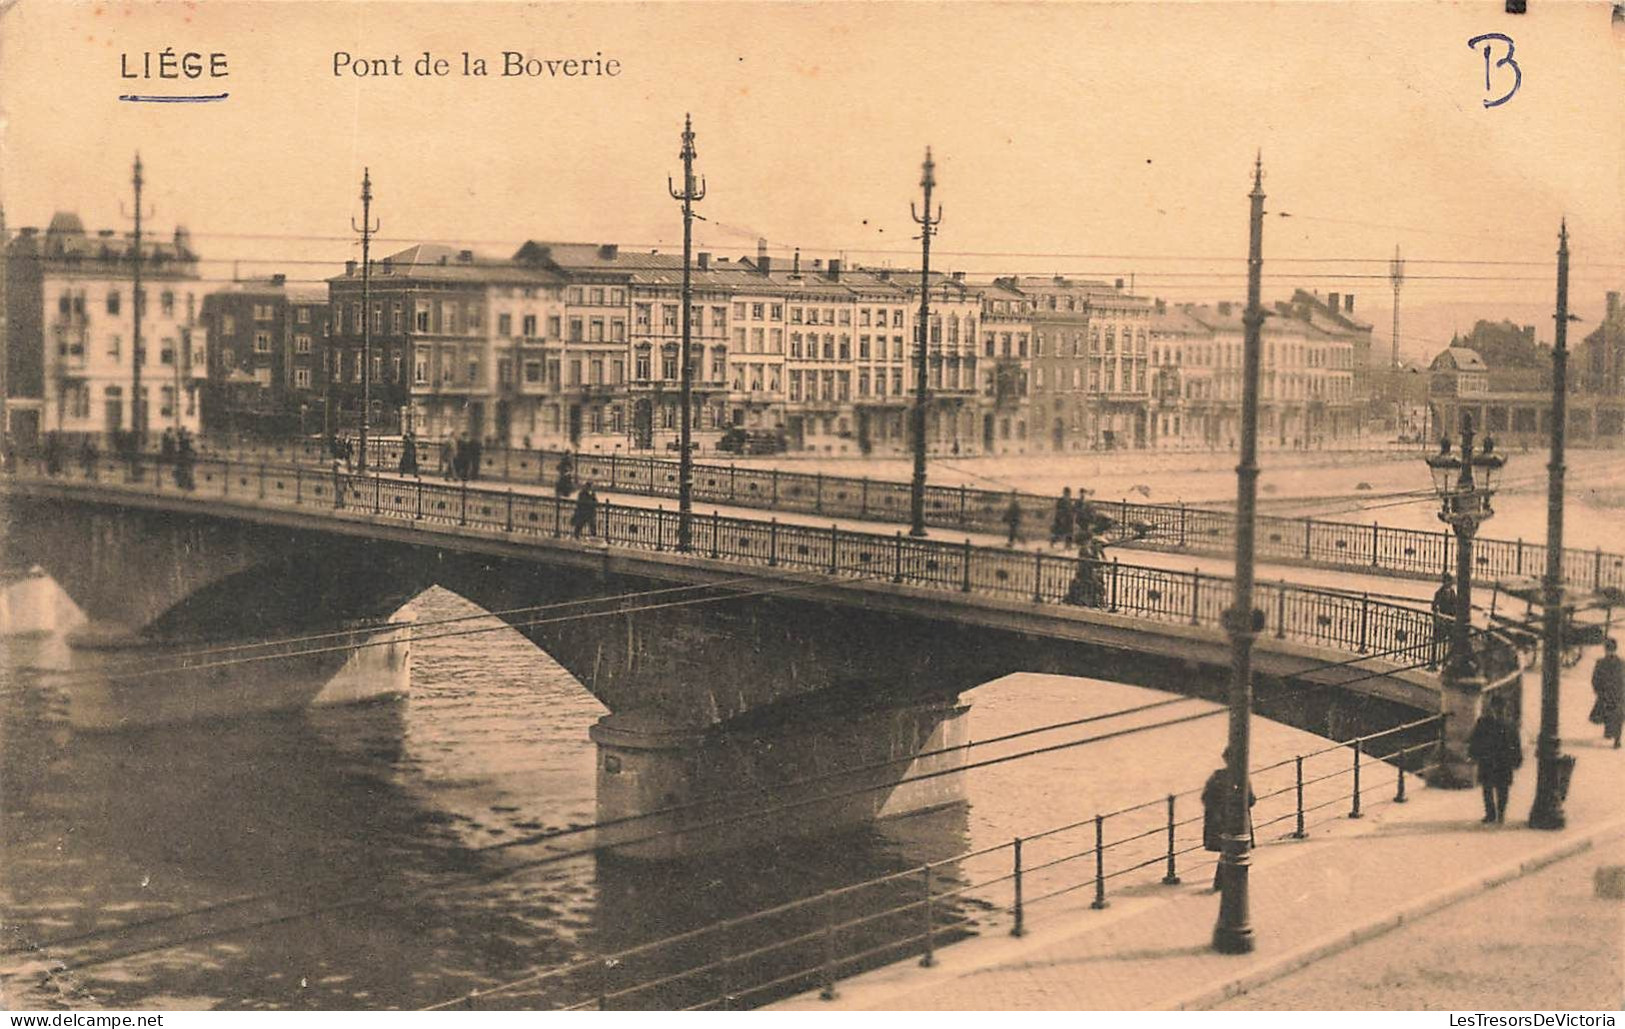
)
(71, 324)
(267, 345)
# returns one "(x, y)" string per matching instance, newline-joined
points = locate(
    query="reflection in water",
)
(379, 818)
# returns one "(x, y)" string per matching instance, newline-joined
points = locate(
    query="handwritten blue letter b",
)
(1517, 72)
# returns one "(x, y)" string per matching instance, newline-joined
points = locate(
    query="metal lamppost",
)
(1464, 506)
(1233, 934)
(1550, 776)
(928, 226)
(690, 194)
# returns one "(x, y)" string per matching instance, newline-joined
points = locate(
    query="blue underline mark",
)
(196, 98)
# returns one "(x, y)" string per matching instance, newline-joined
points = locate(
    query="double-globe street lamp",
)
(1464, 484)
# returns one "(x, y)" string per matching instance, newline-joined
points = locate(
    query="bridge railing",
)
(816, 941)
(1338, 544)
(1354, 623)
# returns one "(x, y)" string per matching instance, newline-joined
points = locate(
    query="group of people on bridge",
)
(1075, 523)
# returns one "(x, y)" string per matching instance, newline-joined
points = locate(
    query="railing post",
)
(1122, 521)
(716, 531)
(930, 956)
(1596, 571)
(1308, 534)
(338, 491)
(772, 542)
(1299, 833)
(1375, 536)
(1100, 863)
(863, 496)
(964, 585)
(1519, 565)
(1182, 523)
(298, 486)
(827, 969)
(731, 491)
(262, 480)
(1365, 619)
(964, 495)
(1016, 913)
(1115, 573)
(377, 492)
(897, 558)
(1196, 596)
(1399, 793)
(660, 528)
(1038, 577)
(1171, 878)
(1354, 811)
(419, 492)
(558, 517)
(462, 518)
(834, 547)
(612, 482)
(818, 492)
(1280, 611)
(510, 494)
(773, 502)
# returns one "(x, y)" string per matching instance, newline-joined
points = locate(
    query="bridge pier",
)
(32, 604)
(674, 792)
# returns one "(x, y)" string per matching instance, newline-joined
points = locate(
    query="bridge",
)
(771, 648)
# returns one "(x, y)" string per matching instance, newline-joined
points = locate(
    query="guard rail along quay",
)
(1371, 549)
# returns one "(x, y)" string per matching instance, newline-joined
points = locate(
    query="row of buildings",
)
(574, 344)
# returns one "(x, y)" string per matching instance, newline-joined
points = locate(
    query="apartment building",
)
(266, 345)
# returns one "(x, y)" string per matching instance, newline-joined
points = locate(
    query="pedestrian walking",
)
(88, 457)
(166, 446)
(1060, 528)
(476, 452)
(1494, 746)
(1012, 518)
(586, 512)
(1217, 793)
(447, 462)
(566, 483)
(1608, 682)
(1444, 616)
(459, 458)
(185, 457)
(409, 455)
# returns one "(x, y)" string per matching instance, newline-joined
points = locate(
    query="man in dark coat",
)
(1012, 518)
(1608, 682)
(586, 512)
(1444, 616)
(1060, 528)
(566, 483)
(1494, 746)
(1215, 796)
(409, 455)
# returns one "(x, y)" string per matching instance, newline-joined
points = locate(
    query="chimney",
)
(609, 251)
(1613, 304)
(1334, 301)
(108, 234)
(764, 264)
(1162, 306)
(1119, 284)
(885, 275)
(349, 267)
(818, 264)
(388, 266)
(761, 250)
(795, 263)
(279, 279)
(1348, 303)
(835, 269)
(465, 257)
(704, 261)
(1224, 308)
(959, 276)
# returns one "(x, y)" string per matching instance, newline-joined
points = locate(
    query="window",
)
(795, 316)
(303, 315)
(262, 342)
(505, 324)
(504, 371)
(473, 370)
(596, 330)
(420, 370)
(533, 371)
(863, 348)
(756, 338)
(739, 310)
(719, 318)
(641, 317)
(114, 343)
(422, 319)
(262, 376)
(575, 330)
(595, 372)
(553, 331)
(596, 296)
(641, 364)
(262, 312)
(795, 384)
(668, 362)
(301, 377)
(112, 301)
(617, 330)
(301, 344)
(756, 311)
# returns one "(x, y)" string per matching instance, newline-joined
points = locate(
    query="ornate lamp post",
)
(1464, 506)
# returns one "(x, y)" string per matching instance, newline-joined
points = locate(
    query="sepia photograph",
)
(812, 506)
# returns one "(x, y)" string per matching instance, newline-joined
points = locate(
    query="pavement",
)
(1350, 881)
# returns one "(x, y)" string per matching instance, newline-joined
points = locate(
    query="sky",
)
(1089, 139)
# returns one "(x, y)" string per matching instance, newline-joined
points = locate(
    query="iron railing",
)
(1369, 548)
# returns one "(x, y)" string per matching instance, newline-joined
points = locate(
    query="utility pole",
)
(366, 228)
(1396, 275)
(1234, 932)
(138, 409)
(1548, 810)
(690, 194)
(927, 223)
